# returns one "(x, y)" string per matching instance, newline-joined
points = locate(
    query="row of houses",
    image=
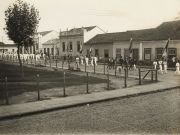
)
(148, 44)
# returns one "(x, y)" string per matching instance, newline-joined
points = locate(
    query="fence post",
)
(127, 71)
(35, 61)
(139, 76)
(85, 66)
(108, 80)
(37, 79)
(94, 66)
(7, 94)
(125, 77)
(156, 76)
(27, 60)
(13, 58)
(104, 66)
(87, 83)
(62, 64)
(64, 85)
(152, 75)
(23, 60)
(56, 62)
(45, 60)
(115, 69)
(50, 61)
(31, 60)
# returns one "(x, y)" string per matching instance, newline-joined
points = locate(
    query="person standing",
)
(160, 66)
(165, 66)
(92, 63)
(155, 64)
(177, 72)
(87, 60)
(82, 60)
(77, 62)
(95, 60)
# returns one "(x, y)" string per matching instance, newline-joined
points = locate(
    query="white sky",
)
(110, 15)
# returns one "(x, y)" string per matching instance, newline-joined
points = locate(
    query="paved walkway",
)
(166, 82)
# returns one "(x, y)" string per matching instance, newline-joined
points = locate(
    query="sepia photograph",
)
(89, 67)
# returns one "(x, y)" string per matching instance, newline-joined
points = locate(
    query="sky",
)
(110, 15)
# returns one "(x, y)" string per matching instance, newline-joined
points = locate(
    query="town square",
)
(78, 68)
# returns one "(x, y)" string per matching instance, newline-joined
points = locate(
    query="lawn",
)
(49, 80)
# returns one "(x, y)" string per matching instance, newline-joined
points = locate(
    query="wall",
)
(45, 38)
(100, 47)
(89, 34)
(68, 39)
(147, 44)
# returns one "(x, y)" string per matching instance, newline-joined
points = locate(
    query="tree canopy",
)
(21, 20)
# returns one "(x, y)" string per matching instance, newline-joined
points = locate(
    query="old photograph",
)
(89, 67)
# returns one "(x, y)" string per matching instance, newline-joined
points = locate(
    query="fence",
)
(84, 82)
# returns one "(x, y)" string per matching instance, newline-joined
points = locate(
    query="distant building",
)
(147, 45)
(40, 39)
(10, 48)
(51, 47)
(72, 41)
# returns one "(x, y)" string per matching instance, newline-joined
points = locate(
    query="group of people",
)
(162, 64)
(119, 63)
(81, 60)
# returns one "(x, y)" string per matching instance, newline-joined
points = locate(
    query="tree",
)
(22, 20)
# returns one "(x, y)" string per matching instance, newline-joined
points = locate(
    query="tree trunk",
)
(20, 62)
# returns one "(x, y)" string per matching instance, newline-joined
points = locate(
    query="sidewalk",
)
(166, 82)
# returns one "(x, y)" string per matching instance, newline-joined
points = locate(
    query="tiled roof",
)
(43, 33)
(162, 32)
(79, 29)
(52, 42)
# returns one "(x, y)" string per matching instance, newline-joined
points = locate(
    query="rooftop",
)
(43, 33)
(162, 32)
(52, 42)
(76, 31)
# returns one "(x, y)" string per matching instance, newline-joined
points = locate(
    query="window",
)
(44, 50)
(106, 53)
(78, 46)
(118, 52)
(172, 52)
(12, 50)
(147, 53)
(97, 52)
(159, 52)
(52, 51)
(63, 47)
(126, 53)
(48, 51)
(70, 46)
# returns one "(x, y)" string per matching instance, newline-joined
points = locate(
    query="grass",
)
(48, 79)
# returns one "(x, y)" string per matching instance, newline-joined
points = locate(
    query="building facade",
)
(72, 41)
(148, 44)
(7, 48)
(51, 47)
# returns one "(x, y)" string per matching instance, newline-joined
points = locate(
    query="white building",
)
(72, 41)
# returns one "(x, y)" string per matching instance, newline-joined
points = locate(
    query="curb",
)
(84, 103)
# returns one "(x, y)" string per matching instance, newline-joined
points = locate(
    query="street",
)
(152, 113)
